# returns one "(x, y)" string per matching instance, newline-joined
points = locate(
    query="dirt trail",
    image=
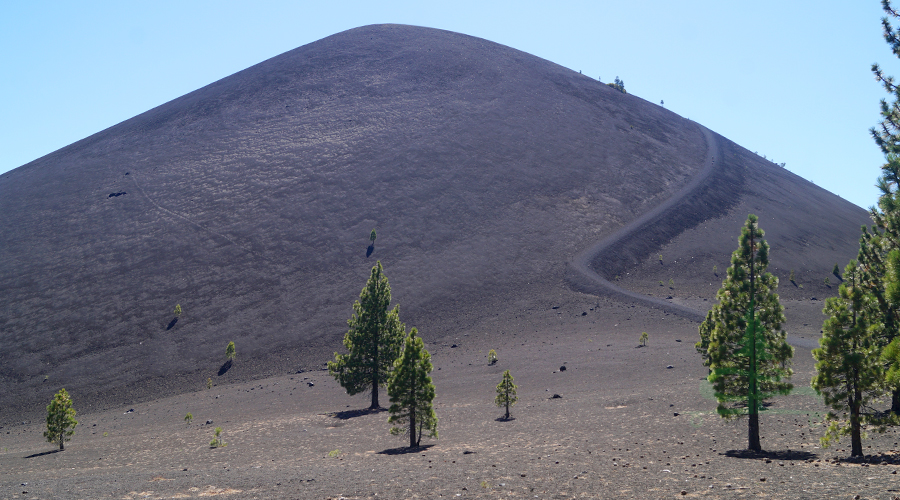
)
(588, 280)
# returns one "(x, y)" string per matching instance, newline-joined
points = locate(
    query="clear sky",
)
(789, 79)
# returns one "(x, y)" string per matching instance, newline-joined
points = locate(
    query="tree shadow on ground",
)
(771, 455)
(44, 453)
(504, 419)
(224, 368)
(369, 250)
(403, 450)
(172, 323)
(348, 414)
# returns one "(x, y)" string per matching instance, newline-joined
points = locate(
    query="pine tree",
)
(885, 234)
(747, 352)
(373, 340)
(60, 419)
(506, 393)
(412, 392)
(849, 372)
(230, 352)
(372, 237)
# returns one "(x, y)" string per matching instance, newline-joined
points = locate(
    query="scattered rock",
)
(468, 452)
(209, 422)
(113, 195)
(555, 307)
(677, 340)
(129, 411)
(310, 384)
(454, 346)
(562, 368)
(669, 367)
(816, 299)
(676, 413)
(556, 396)
(584, 313)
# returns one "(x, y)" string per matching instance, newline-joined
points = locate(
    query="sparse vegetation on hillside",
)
(748, 351)
(374, 340)
(412, 393)
(177, 311)
(618, 85)
(643, 339)
(492, 357)
(506, 393)
(189, 418)
(60, 419)
(230, 352)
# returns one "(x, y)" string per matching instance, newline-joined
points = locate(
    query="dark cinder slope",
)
(485, 170)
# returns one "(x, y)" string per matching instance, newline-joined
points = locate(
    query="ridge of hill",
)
(489, 174)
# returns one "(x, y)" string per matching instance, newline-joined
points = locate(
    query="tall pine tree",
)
(373, 340)
(412, 392)
(848, 370)
(506, 393)
(748, 353)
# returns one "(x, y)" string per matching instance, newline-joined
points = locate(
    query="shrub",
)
(209, 383)
(492, 357)
(644, 338)
(189, 418)
(177, 310)
(334, 453)
(217, 439)
(671, 282)
(230, 353)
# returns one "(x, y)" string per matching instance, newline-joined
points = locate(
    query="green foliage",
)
(792, 277)
(60, 419)
(374, 340)
(177, 310)
(644, 338)
(334, 453)
(836, 271)
(372, 236)
(716, 270)
(849, 372)
(747, 351)
(618, 85)
(412, 393)
(671, 282)
(189, 418)
(217, 441)
(209, 383)
(230, 353)
(492, 357)
(506, 393)
(827, 282)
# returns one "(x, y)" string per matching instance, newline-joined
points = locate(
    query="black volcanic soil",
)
(490, 175)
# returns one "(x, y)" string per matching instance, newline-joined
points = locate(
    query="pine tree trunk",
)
(895, 401)
(412, 428)
(753, 433)
(374, 405)
(507, 408)
(62, 444)
(855, 434)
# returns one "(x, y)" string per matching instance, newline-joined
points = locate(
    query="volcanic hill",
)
(502, 187)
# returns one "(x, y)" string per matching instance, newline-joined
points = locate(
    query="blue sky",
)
(788, 79)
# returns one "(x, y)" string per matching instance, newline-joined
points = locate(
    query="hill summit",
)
(500, 185)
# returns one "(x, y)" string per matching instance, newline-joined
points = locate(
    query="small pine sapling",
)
(672, 283)
(506, 393)
(660, 259)
(836, 271)
(792, 277)
(827, 281)
(177, 311)
(209, 383)
(189, 418)
(217, 441)
(60, 419)
(492, 357)
(716, 270)
(644, 338)
(372, 237)
(230, 353)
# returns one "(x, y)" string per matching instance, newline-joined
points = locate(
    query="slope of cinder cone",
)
(249, 202)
